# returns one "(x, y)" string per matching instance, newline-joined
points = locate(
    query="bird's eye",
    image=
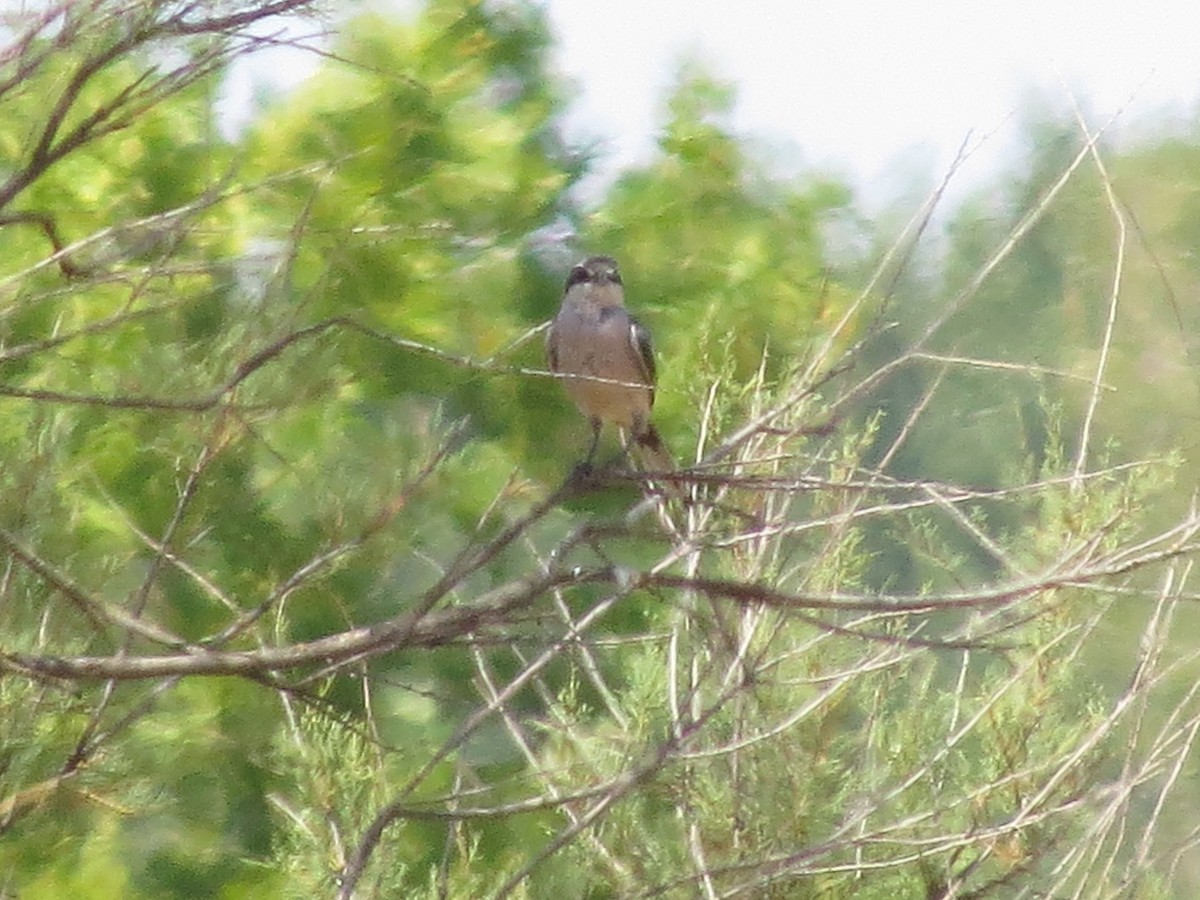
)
(579, 275)
(614, 276)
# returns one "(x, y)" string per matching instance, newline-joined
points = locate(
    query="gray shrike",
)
(594, 337)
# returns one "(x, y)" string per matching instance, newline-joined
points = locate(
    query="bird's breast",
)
(598, 345)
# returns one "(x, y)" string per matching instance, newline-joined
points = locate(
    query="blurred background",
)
(271, 371)
(878, 101)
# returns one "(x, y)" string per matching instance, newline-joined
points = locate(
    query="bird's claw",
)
(583, 475)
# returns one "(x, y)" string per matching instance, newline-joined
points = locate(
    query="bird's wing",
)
(643, 349)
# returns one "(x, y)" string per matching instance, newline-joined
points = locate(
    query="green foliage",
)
(707, 236)
(262, 397)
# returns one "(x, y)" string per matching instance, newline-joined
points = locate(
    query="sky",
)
(870, 91)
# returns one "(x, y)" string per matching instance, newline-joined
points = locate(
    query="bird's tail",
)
(655, 459)
(653, 453)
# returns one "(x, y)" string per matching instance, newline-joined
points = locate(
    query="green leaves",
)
(707, 235)
(276, 410)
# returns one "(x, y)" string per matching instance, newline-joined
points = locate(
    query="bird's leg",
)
(583, 469)
(591, 454)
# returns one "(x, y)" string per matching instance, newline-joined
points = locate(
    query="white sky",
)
(855, 85)
(862, 87)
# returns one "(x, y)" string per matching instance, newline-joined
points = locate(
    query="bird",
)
(595, 337)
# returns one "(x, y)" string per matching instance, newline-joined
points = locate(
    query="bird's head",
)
(595, 270)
